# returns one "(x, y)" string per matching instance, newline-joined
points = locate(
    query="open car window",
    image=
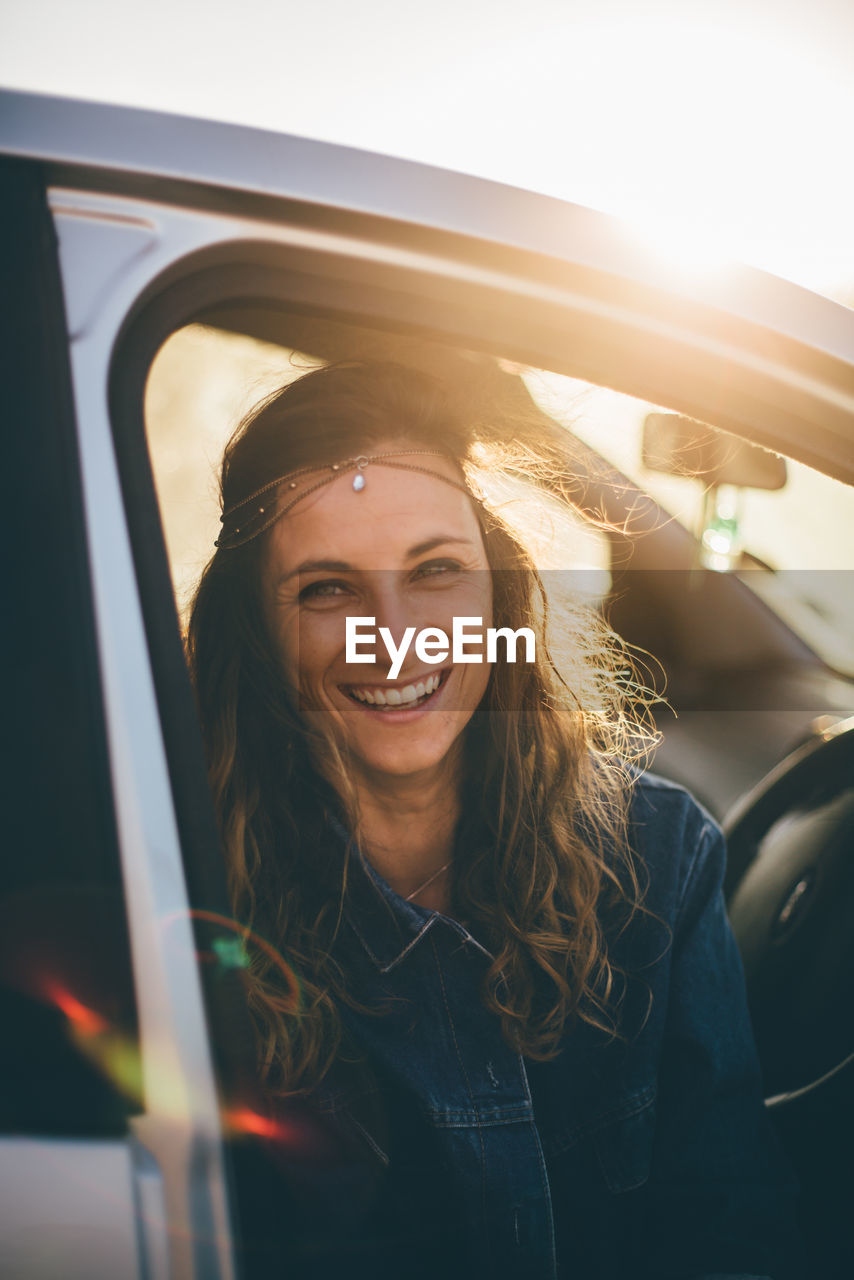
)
(204, 380)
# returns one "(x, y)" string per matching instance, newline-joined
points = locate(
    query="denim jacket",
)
(643, 1156)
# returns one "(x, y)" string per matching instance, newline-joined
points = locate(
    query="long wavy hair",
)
(548, 875)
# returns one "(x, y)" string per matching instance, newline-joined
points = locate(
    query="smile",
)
(390, 698)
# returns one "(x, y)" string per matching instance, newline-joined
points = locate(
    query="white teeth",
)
(392, 697)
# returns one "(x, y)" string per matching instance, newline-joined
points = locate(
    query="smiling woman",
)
(390, 564)
(517, 1033)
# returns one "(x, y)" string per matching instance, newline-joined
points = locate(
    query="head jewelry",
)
(252, 516)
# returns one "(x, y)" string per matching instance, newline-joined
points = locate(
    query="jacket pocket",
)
(623, 1144)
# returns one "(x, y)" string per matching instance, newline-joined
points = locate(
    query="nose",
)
(390, 605)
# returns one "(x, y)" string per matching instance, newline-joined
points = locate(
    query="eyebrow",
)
(341, 566)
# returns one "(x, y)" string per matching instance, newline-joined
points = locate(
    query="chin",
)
(395, 746)
(401, 763)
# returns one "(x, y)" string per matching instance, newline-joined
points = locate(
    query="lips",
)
(390, 697)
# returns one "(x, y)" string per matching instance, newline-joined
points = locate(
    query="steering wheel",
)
(790, 889)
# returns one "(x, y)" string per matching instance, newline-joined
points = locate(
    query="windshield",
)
(796, 546)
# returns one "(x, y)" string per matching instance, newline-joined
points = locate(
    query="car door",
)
(110, 1150)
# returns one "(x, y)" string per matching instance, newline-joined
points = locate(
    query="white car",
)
(159, 274)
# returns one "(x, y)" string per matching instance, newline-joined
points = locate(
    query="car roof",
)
(797, 334)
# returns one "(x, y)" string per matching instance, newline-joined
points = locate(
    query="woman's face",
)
(406, 551)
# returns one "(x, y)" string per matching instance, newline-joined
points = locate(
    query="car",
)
(161, 274)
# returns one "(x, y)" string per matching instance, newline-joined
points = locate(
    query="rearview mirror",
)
(683, 447)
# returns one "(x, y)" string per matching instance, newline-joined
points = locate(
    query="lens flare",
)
(246, 1121)
(112, 1051)
(86, 1021)
(233, 949)
(70, 954)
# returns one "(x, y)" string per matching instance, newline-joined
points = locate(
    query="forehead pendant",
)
(260, 521)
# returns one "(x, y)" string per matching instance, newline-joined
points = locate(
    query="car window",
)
(205, 379)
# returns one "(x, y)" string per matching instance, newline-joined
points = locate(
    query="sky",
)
(723, 128)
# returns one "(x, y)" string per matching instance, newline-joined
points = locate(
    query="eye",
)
(437, 568)
(324, 589)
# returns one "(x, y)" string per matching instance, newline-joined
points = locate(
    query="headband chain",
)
(230, 541)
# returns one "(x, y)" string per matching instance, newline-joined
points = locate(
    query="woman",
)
(507, 1033)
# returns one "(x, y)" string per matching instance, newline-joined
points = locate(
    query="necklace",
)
(428, 881)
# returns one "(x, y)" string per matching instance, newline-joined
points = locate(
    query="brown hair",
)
(551, 739)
